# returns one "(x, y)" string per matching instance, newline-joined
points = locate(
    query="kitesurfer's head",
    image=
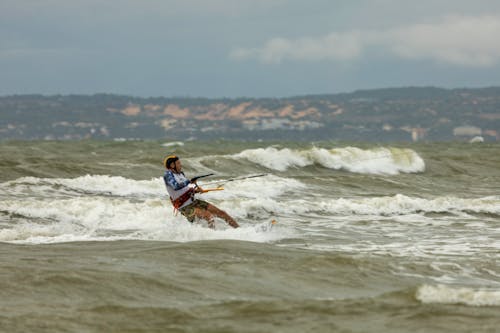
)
(171, 161)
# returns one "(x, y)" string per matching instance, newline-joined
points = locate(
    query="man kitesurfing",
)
(182, 190)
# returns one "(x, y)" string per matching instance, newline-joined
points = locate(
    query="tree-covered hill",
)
(396, 114)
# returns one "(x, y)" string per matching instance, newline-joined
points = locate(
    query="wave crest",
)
(370, 161)
(442, 294)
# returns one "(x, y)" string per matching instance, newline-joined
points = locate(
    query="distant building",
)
(493, 134)
(418, 133)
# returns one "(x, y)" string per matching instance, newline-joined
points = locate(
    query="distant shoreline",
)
(392, 114)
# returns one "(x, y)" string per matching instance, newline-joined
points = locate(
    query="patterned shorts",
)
(189, 210)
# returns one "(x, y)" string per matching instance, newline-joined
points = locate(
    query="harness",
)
(177, 203)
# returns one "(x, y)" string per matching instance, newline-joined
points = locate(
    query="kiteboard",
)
(266, 226)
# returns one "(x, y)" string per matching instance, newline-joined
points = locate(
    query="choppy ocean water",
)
(370, 238)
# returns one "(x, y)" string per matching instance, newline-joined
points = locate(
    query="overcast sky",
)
(251, 48)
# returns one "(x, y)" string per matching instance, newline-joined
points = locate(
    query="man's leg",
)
(223, 215)
(203, 213)
(206, 211)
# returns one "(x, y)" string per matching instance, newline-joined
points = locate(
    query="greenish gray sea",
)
(370, 238)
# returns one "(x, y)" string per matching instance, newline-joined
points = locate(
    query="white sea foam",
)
(443, 294)
(173, 144)
(91, 218)
(106, 208)
(119, 208)
(390, 206)
(401, 205)
(115, 185)
(276, 159)
(371, 161)
(262, 190)
(263, 187)
(271, 193)
(90, 184)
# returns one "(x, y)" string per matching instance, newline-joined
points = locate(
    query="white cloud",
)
(468, 41)
(337, 46)
(456, 40)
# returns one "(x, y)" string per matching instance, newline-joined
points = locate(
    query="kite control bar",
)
(194, 179)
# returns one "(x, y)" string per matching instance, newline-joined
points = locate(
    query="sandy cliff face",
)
(220, 111)
(176, 112)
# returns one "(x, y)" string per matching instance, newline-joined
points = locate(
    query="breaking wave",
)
(112, 207)
(44, 210)
(442, 294)
(389, 161)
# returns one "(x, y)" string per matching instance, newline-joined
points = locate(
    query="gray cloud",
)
(181, 47)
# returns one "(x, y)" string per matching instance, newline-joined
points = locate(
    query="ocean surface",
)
(369, 238)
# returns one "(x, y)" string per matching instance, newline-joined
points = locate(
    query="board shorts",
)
(189, 210)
